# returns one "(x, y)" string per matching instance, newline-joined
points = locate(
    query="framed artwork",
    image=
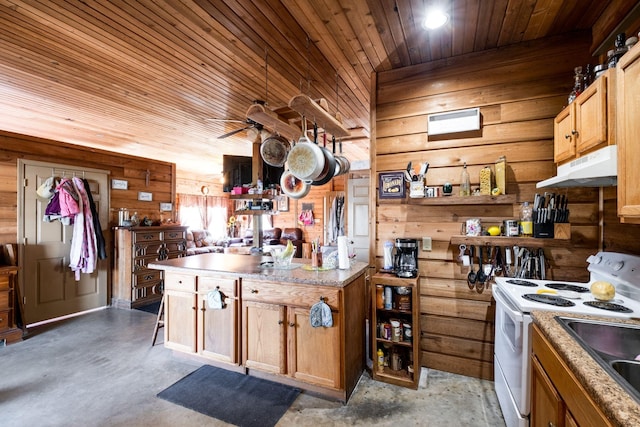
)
(391, 185)
(119, 184)
(144, 196)
(283, 204)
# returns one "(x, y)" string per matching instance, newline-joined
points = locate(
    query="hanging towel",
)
(214, 300)
(320, 315)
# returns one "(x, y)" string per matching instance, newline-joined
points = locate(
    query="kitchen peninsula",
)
(264, 327)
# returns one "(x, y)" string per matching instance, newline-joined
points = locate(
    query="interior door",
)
(49, 286)
(358, 221)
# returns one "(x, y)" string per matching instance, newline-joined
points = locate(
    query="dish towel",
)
(214, 300)
(320, 315)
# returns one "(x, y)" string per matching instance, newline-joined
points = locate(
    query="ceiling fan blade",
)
(233, 132)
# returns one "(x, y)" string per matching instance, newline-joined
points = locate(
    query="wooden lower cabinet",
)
(9, 331)
(270, 321)
(278, 337)
(557, 396)
(191, 326)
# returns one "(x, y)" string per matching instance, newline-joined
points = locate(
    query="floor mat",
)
(232, 397)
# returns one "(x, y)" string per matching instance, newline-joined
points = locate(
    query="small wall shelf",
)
(528, 242)
(504, 199)
(251, 197)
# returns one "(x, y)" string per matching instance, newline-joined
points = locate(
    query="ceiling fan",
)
(249, 124)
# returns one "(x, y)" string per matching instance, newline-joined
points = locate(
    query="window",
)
(203, 212)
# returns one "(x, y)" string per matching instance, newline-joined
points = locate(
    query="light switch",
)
(426, 243)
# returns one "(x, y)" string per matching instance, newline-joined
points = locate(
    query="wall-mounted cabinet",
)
(628, 75)
(588, 122)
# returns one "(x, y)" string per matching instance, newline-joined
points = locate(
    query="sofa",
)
(276, 237)
(201, 242)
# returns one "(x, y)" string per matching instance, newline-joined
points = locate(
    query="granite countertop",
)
(619, 406)
(249, 266)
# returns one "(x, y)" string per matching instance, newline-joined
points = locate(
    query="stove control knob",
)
(594, 259)
(617, 266)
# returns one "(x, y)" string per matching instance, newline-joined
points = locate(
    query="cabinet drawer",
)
(146, 277)
(179, 282)
(290, 294)
(226, 285)
(4, 282)
(147, 236)
(176, 246)
(150, 248)
(174, 235)
(4, 299)
(4, 319)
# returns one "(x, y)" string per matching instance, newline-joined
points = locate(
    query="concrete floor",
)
(99, 369)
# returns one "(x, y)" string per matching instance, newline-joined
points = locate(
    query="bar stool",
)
(159, 321)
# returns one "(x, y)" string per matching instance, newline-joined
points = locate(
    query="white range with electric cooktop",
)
(516, 298)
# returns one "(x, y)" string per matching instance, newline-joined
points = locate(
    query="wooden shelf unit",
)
(503, 199)
(527, 242)
(407, 350)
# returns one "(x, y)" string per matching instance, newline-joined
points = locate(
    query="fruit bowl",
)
(282, 257)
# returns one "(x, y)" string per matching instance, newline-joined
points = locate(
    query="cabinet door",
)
(218, 328)
(628, 129)
(314, 353)
(547, 407)
(564, 143)
(263, 333)
(180, 321)
(591, 116)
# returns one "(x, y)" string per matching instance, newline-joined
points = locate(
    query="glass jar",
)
(501, 174)
(465, 182)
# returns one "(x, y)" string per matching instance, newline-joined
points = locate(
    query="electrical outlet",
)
(426, 243)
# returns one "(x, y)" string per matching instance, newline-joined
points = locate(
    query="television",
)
(238, 170)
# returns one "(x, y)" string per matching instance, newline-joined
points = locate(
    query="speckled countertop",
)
(619, 406)
(250, 266)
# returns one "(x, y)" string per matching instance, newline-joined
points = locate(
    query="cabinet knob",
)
(551, 424)
(292, 324)
(567, 136)
(280, 322)
(254, 291)
(193, 308)
(203, 309)
(574, 132)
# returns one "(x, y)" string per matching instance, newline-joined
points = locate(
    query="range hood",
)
(597, 169)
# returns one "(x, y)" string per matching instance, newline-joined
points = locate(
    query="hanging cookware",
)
(329, 168)
(293, 186)
(274, 150)
(306, 160)
(343, 164)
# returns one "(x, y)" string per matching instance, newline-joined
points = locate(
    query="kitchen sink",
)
(614, 346)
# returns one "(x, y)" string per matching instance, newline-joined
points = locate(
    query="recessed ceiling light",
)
(435, 18)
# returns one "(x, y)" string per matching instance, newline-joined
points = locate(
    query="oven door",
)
(513, 350)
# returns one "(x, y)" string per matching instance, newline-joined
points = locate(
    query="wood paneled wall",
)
(316, 197)
(161, 180)
(519, 90)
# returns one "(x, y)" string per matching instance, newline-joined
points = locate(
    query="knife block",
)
(543, 230)
(562, 230)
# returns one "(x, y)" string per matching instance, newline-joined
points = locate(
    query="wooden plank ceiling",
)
(151, 77)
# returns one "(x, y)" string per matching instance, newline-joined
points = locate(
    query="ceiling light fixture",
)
(435, 18)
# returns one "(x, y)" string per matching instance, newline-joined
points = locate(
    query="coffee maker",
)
(406, 258)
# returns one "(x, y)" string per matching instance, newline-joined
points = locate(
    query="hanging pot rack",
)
(269, 119)
(310, 109)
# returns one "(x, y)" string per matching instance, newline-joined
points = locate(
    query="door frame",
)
(22, 163)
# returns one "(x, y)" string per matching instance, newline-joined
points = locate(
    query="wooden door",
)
(591, 116)
(218, 328)
(49, 286)
(358, 217)
(564, 144)
(263, 336)
(628, 129)
(180, 320)
(314, 353)
(547, 406)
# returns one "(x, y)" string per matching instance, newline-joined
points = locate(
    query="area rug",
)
(234, 398)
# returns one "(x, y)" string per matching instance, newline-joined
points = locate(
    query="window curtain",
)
(203, 212)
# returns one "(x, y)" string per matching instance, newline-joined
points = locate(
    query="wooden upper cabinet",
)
(564, 146)
(628, 124)
(588, 122)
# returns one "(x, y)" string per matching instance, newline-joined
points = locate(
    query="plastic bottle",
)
(465, 182)
(388, 255)
(526, 220)
(388, 301)
(380, 355)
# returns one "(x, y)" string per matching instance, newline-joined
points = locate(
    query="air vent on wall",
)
(454, 121)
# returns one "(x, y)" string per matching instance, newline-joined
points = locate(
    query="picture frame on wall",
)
(283, 204)
(391, 185)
